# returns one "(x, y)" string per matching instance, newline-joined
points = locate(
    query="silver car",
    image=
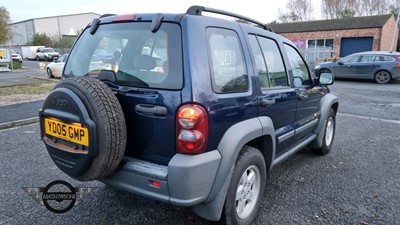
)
(380, 66)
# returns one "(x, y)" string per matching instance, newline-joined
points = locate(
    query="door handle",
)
(267, 102)
(148, 109)
(302, 96)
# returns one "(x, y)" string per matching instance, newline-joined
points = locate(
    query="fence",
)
(314, 56)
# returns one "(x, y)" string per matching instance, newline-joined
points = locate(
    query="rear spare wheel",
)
(83, 128)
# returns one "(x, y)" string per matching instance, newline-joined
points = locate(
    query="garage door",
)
(354, 45)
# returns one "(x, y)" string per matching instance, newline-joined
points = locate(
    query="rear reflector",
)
(156, 183)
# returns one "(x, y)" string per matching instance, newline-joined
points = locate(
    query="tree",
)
(65, 42)
(373, 7)
(297, 10)
(334, 9)
(42, 39)
(4, 29)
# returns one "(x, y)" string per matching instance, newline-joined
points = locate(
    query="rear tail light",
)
(398, 65)
(191, 129)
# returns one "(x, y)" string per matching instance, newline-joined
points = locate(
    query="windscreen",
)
(137, 56)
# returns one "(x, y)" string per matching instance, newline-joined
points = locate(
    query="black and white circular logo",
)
(59, 196)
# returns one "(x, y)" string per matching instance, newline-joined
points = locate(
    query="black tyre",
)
(329, 134)
(247, 187)
(49, 73)
(382, 77)
(90, 104)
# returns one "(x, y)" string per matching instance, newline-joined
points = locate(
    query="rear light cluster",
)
(191, 129)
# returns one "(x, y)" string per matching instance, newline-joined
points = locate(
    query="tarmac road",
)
(357, 183)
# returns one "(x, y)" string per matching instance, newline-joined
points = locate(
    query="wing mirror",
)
(324, 78)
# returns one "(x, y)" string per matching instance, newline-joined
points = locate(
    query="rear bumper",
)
(186, 181)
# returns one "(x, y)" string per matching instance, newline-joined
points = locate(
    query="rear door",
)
(276, 98)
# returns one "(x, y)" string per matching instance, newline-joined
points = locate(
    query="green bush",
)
(16, 65)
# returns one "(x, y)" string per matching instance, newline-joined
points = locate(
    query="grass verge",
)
(27, 89)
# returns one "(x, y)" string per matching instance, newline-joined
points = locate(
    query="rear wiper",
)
(129, 78)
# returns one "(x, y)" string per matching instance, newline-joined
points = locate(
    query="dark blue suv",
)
(190, 109)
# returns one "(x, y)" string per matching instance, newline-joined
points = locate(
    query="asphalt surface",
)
(23, 76)
(20, 111)
(357, 183)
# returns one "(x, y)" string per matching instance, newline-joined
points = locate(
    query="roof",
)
(335, 24)
(77, 14)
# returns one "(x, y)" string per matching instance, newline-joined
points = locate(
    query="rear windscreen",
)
(137, 56)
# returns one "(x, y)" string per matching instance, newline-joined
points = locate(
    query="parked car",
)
(47, 54)
(203, 132)
(16, 57)
(55, 68)
(104, 55)
(379, 66)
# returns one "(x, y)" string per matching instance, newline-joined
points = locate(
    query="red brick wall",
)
(337, 35)
(387, 35)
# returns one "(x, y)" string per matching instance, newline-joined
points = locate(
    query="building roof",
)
(39, 18)
(335, 24)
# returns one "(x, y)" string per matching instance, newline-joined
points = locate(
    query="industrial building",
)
(55, 27)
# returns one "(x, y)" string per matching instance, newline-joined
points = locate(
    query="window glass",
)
(300, 71)
(137, 56)
(329, 43)
(384, 58)
(351, 59)
(275, 65)
(260, 63)
(320, 43)
(228, 68)
(367, 58)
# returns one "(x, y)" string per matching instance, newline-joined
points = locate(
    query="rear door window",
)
(137, 56)
(228, 71)
(269, 62)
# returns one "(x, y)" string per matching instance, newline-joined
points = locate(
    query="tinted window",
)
(384, 58)
(351, 59)
(300, 71)
(367, 58)
(228, 72)
(138, 57)
(260, 63)
(269, 63)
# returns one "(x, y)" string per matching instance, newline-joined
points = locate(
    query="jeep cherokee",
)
(192, 110)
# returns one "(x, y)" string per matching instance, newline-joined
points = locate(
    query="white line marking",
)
(371, 118)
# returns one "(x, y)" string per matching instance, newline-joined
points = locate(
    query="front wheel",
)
(382, 77)
(49, 73)
(247, 187)
(329, 134)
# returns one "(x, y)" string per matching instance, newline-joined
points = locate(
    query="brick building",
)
(335, 38)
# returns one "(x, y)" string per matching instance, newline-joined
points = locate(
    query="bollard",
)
(41, 66)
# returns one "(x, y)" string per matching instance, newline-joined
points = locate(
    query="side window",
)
(301, 75)
(269, 63)
(228, 72)
(260, 63)
(275, 66)
(351, 59)
(367, 58)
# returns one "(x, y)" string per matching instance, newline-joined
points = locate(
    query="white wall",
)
(54, 27)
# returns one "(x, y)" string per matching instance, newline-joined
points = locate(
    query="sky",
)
(264, 11)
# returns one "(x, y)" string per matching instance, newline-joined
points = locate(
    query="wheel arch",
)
(383, 70)
(256, 132)
(327, 102)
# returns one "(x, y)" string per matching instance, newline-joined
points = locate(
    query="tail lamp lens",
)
(192, 129)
